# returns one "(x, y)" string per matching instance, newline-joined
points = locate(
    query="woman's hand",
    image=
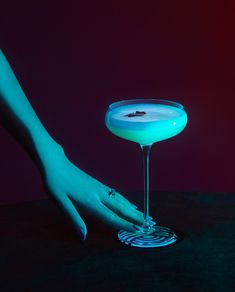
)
(71, 188)
(75, 191)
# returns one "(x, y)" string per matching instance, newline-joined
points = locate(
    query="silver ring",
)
(111, 193)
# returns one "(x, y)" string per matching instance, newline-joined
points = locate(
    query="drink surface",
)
(146, 123)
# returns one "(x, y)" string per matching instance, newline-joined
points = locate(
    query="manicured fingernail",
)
(152, 222)
(149, 217)
(81, 233)
(134, 206)
(137, 228)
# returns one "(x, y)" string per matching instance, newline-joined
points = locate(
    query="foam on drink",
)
(146, 123)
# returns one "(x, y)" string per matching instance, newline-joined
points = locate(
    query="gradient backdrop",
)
(73, 58)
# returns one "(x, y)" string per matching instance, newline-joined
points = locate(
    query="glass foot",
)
(157, 237)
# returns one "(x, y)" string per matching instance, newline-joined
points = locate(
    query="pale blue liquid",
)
(159, 123)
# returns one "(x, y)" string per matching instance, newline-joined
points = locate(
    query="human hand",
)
(75, 191)
(70, 187)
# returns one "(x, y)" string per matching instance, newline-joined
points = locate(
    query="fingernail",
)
(137, 228)
(81, 233)
(134, 206)
(152, 222)
(149, 217)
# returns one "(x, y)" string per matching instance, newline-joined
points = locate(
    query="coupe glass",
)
(146, 121)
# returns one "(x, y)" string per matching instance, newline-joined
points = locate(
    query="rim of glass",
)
(145, 100)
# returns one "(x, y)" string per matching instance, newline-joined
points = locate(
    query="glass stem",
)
(146, 152)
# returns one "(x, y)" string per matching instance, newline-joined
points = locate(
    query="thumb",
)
(70, 210)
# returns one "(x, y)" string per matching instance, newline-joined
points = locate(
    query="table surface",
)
(39, 251)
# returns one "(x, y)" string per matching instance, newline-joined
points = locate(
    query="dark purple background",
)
(73, 58)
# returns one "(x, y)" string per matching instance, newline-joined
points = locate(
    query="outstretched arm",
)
(69, 186)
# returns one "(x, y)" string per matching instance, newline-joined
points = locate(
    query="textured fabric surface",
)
(39, 251)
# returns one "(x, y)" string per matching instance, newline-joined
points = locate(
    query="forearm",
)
(17, 108)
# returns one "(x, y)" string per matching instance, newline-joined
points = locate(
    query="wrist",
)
(47, 149)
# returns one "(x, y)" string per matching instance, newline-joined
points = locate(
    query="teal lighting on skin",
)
(70, 187)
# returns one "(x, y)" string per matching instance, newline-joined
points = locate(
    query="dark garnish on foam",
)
(136, 114)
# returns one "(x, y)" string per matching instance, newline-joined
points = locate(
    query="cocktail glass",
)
(146, 121)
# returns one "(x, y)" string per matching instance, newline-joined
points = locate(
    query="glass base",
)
(157, 237)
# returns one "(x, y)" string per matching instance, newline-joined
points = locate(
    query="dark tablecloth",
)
(39, 251)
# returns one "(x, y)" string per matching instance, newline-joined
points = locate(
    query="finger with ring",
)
(111, 193)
